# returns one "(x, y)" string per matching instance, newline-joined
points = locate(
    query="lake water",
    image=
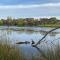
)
(21, 34)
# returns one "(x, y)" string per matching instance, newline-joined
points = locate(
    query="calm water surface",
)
(16, 34)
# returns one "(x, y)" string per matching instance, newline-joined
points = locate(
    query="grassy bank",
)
(49, 25)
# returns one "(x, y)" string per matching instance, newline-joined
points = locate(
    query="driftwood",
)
(45, 36)
(33, 43)
(26, 42)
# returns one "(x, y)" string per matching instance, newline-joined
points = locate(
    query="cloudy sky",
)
(29, 8)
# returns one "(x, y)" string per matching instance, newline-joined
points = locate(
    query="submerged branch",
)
(33, 43)
(41, 52)
(45, 36)
(26, 42)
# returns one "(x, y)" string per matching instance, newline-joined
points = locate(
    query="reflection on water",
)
(17, 34)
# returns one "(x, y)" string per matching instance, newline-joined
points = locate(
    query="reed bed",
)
(8, 52)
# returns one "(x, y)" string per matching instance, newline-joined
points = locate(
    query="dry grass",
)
(10, 53)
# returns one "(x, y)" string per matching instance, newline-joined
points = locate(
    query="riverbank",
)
(49, 25)
(43, 25)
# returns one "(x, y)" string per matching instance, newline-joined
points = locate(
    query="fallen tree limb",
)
(26, 42)
(46, 35)
(34, 45)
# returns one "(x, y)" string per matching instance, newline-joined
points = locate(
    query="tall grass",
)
(8, 52)
(52, 53)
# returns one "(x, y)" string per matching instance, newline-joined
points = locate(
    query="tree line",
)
(29, 21)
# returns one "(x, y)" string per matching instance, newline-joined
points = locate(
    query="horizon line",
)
(58, 17)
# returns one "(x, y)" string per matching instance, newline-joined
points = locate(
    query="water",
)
(20, 34)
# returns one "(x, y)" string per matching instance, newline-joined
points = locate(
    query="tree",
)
(1, 22)
(9, 21)
(20, 22)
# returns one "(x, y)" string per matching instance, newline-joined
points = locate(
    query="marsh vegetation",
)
(48, 49)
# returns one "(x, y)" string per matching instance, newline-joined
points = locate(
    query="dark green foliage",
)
(1, 22)
(30, 22)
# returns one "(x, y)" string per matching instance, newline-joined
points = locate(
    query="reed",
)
(8, 52)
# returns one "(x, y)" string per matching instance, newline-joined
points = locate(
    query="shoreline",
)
(51, 26)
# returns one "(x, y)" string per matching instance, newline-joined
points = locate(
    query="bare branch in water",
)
(26, 42)
(34, 45)
(45, 36)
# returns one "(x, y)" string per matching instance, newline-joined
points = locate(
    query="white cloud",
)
(38, 10)
(30, 6)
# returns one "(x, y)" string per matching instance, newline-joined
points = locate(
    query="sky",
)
(29, 8)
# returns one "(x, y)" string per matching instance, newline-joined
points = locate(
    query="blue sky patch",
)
(29, 8)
